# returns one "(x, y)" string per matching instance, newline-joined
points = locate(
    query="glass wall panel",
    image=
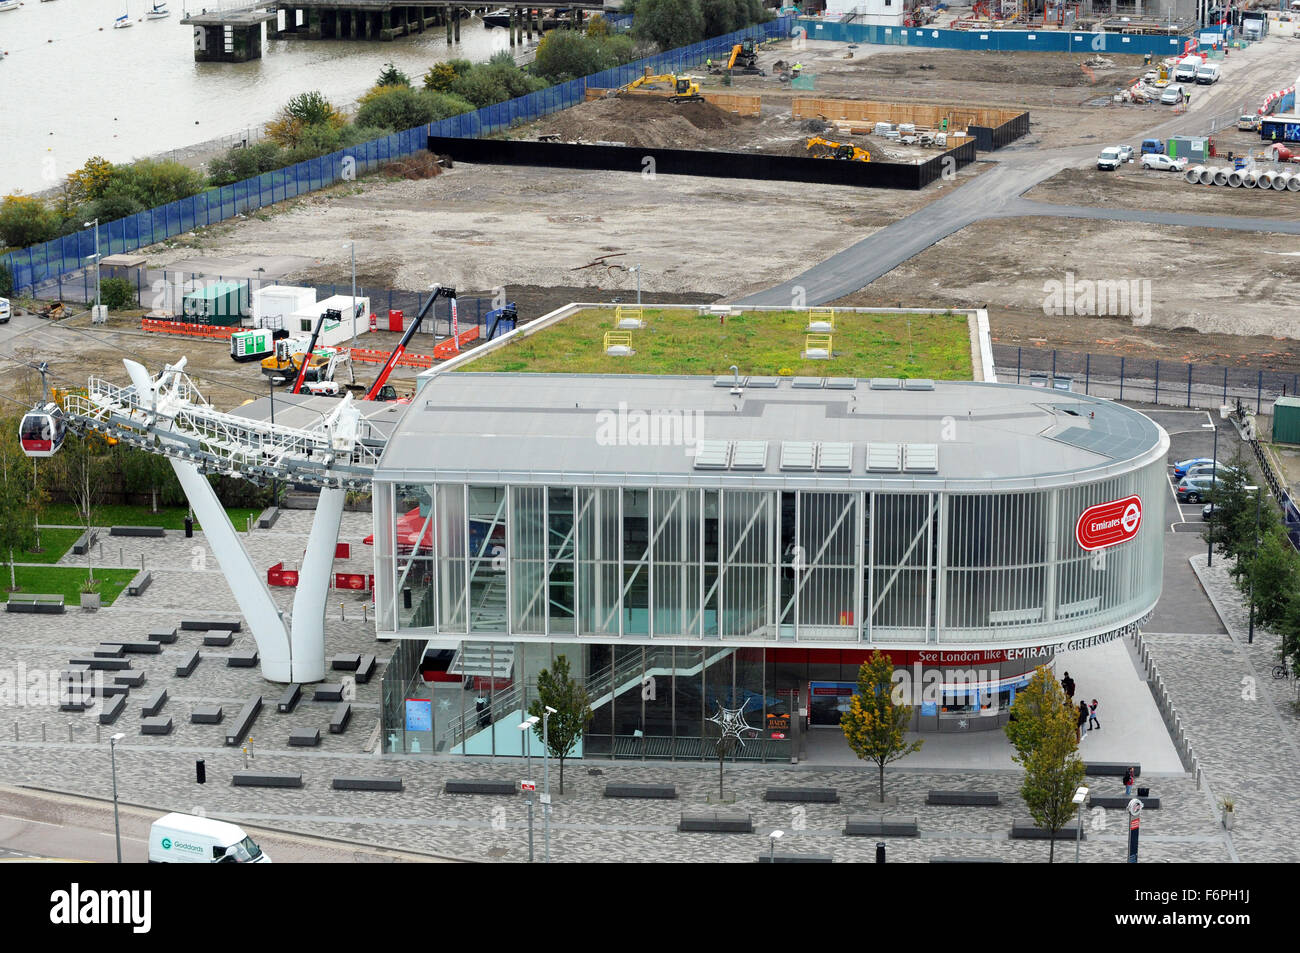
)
(636, 562)
(560, 531)
(901, 534)
(597, 549)
(487, 559)
(528, 559)
(996, 551)
(675, 549)
(452, 549)
(747, 556)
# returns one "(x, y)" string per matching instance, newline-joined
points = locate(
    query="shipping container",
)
(222, 302)
(1286, 420)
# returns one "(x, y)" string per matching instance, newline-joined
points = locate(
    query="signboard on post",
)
(419, 714)
(1109, 524)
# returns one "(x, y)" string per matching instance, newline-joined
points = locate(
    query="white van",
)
(1207, 74)
(1185, 72)
(185, 839)
(5, 311)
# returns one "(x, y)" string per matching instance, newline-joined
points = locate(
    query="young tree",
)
(80, 470)
(669, 23)
(17, 514)
(876, 723)
(1044, 731)
(1231, 527)
(390, 75)
(26, 220)
(557, 689)
(1272, 574)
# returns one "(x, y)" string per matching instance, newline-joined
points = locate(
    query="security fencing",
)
(31, 267)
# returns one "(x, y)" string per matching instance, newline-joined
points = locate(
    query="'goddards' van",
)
(185, 839)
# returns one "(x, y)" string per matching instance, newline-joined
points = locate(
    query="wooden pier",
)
(235, 35)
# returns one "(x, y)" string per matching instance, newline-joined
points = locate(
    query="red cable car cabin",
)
(42, 431)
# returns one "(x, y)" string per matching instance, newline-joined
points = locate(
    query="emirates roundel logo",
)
(1109, 524)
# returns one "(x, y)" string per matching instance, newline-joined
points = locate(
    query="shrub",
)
(390, 75)
(563, 55)
(6, 281)
(111, 206)
(152, 183)
(116, 293)
(669, 23)
(25, 220)
(398, 108)
(439, 77)
(239, 164)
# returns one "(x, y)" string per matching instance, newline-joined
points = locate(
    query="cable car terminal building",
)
(690, 544)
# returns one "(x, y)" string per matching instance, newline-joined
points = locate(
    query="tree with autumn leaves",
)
(876, 722)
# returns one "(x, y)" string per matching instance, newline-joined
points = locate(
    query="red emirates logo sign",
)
(1108, 524)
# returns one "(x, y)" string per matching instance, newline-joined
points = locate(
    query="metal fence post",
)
(1189, 384)
(1157, 399)
(1087, 372)
(1225, 385)
(1053, 381)
(1121, 377)
(1018, 350)
(1259, 392)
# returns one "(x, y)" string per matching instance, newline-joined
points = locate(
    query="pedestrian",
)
(1092, 716)
(1130, 777)
(1083, 719)
(1067, 685)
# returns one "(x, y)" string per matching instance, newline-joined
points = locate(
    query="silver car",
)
(1172, 96)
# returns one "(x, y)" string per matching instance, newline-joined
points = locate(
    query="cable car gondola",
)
(42, 430)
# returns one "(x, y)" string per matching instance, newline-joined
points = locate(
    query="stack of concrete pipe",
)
(1276, 180)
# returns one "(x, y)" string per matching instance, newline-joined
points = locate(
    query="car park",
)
(1163, 163)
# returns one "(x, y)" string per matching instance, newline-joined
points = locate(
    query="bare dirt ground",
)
(1214, 298)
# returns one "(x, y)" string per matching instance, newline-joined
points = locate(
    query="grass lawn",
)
(54, 542)
(759, 342)
(67, 580)
(117, 514)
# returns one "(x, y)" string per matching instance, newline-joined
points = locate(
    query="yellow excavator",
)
(743, 59)
(825, 149)
(685, 88)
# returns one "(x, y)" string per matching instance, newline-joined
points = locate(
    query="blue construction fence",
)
(61, 256)
(1043, 41)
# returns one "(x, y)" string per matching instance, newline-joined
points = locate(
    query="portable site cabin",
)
(1286, 420)
(1192, 148)
(274, 303)
(304, 320)
(222, 302)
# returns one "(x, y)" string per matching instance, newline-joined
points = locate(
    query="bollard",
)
(249, 528)
(142, 562)
(42, 731)
(15, 731)
(121, 556)
(341, 617)
(200, 772)
(97, 734)
(69, 734)
(365, 612)
(880, 852)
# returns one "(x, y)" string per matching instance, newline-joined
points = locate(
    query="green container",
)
(223, 303)
(1286, 420)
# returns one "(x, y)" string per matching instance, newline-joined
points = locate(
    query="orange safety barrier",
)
(188, 330)
(370, 356)
(448, 348)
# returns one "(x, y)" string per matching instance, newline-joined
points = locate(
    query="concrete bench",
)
(103, 664)
(770, 858)
(1110, 769)
(260, 779)
(1025, 830)
(77, 702)
(154, 703)
(109, 690)
(163, 636)
(139, 584)
(665, 791)
(964, 798)
(203, 625)
(186, 668)
(268, 517)
(366, 669)
(219, 638)
(345, 663)
(289, 700)
(342, 715)
(84, 542)
(158, 725)
(965, 860)
(136, 531)
(242, 659)
(812, 795)
(42, 603)
(305, 738)
(868, 825)
(1120, 801)
(243, 721)
(207, 715)
(141, 648)
(328, 692)
(367, 784)
(112, 710)
(480, 787)
(131, 679)
(716, 822)
(108, 650)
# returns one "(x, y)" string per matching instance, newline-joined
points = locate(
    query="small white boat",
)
(6, 5)
(122, 22)
(159, 12)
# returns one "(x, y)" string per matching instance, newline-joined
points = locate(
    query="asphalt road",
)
(41, 825)
(997, 193)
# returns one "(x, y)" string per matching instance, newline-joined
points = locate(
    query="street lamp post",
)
(112, 757)
(527, 728)
(95, 224)
(772, 838)
(1250, 632)
(1080, 795)
(547, 712)
(275, 484)
(1214, 482)
(353, 247)
(637, 269)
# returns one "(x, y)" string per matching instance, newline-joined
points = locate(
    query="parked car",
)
(1110, 159)
(1172, 96)
(1193, 489)
(1185, 72)
(1153, 146)
(1182, 466)
(1207, 74)
(1125, 153)
(1163, 163)
(5, 311)
(1208, 469)
(1248, 122)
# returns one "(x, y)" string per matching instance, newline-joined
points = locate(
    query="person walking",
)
(1129, 779)
(1083, 719)
(1092, 716)
(1067, 685)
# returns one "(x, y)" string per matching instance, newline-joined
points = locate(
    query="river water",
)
(72, 87)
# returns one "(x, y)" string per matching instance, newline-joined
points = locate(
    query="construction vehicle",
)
(320, 379)
(686, 89)
(381, 389)
(825, 149)
(293, 355)
(743, 59)
(493, 319)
